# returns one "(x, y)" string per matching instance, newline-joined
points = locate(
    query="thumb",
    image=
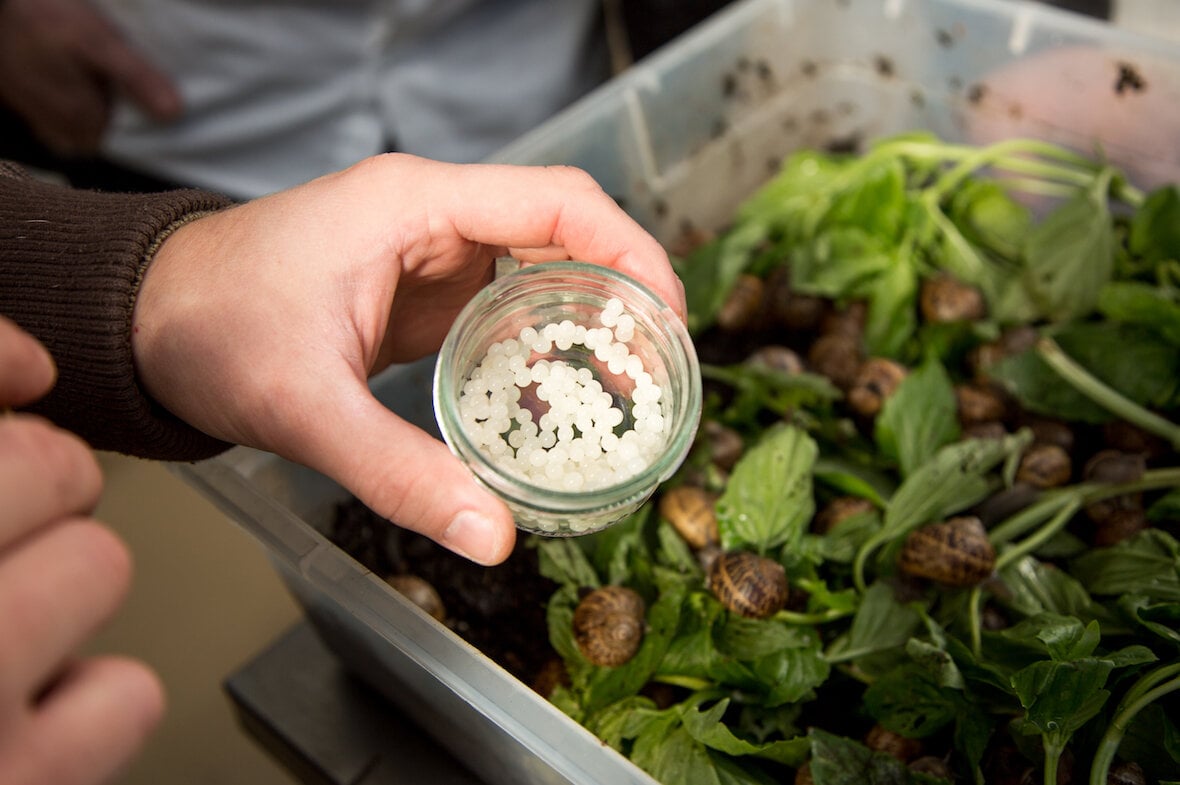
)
(407, 476)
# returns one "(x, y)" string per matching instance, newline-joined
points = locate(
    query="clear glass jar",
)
(552, 293)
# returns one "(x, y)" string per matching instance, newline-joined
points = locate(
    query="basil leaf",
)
(881, 624)
(1070, 254)
(1131, 302)
(839, 761)
(1033, 588)
(1162, 619)
(892, 314)
(988, 217)
(1155, 227)
(707, 728)
(919, 418)
(563, 561)
(1147, 564)
(953, 479)
(1060, 697)
(768, 500)
(909, 702)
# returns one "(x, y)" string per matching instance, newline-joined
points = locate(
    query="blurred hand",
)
(61, 63)
(261, 324)
(63, 720)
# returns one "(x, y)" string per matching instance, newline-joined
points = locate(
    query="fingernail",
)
(472, 535)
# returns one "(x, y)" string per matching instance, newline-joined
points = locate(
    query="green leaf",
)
(836, 760)
(874, 202)
(909, 702)
(1131, 302)
(854, 479)
(1166, 508)
(1061, 697)
(709, 272)
(881, 624)
(1070, 254)
(988, 217)
(768, 500)
(839, 262)
(892, 314)
(1061, 637)
(1155, 227)
(1031, 588)
(919, 418)
(1146, 564)
(563, 561)
(1162, 619)
(708, 728)
(953, 479)
(1131, 360)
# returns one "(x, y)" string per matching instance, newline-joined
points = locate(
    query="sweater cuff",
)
(70, 266)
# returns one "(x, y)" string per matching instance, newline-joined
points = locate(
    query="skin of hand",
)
(261, 324)
(63, 719)
(61, 62)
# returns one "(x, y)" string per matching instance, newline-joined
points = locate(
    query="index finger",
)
(26, 369)
(560, 208)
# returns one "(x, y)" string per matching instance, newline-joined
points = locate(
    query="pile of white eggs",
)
(603, 420)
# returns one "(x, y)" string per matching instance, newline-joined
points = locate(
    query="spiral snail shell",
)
(609, 625)
(955, 552)
(748, 584)
(690, 511)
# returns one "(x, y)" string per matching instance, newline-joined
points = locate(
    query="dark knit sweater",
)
(70, 266)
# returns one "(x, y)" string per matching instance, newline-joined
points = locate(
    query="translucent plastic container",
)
(680, 140)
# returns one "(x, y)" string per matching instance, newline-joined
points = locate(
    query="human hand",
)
(60, 64)
(63, 720)
(261, 324)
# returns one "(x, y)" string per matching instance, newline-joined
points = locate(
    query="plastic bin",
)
(680, 139)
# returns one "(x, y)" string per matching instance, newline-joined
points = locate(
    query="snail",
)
(979, 403)
(743, 307)
(792, 310)
(420, 592)
(803, 775)
(748, 584)
(944, 299)
(725, 444)
(1119, 525)
(1048, 431)
(690, 511)
(1012, 342)
(882, 739)
(1114, 468)
(837, 356)
(1125, 437)
(1126, 773)
(1045, 466)
(955, 552)
(933, 766)
(876, 380)
(849, 320)
(838, 510)
(609, 625)
(984, 430)
(776, 358)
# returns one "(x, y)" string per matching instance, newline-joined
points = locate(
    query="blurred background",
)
(247, 98)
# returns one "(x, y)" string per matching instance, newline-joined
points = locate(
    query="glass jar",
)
(573, 316)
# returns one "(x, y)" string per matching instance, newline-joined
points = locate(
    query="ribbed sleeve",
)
(70, 265)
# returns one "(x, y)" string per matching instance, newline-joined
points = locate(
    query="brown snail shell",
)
(979, 403)
(840, 509)
(776, 358)
(1115, 468)
(791, 309)
(955, 552)
(1126, 773)
(876, 380)
(609, 625)
(984, 430)
(848, 320)
(743, 307)
(420, 592)
(725, 444)
(944, 299)
(690, 511)
(1045, 466)
(934, 766)
(1120, 525)
(882, 739)
(836, 356)
(748, 584)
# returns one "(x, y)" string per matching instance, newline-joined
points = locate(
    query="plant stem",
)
(1034, 541)
(688, 682)
(792, 617)
(975, 620)
(1030, 516)
(1053, 750)
(1138, 697)
(1100, 393)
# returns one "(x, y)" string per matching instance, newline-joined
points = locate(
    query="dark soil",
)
(500, 610)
